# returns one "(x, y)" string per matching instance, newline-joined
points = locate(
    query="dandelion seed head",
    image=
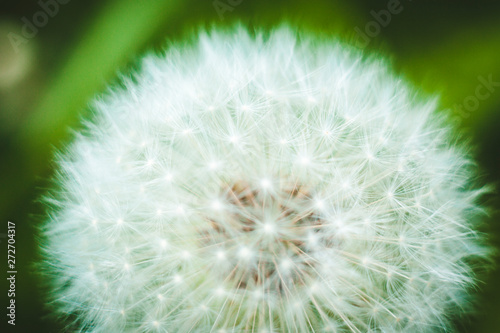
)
(264, 184)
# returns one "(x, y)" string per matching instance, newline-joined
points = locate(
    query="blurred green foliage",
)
(444, 47)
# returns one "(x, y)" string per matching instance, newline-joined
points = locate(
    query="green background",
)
(443, 47)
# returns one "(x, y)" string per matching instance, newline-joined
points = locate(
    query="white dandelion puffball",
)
(263, 183)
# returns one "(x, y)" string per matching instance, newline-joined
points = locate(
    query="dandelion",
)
(263, 184)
